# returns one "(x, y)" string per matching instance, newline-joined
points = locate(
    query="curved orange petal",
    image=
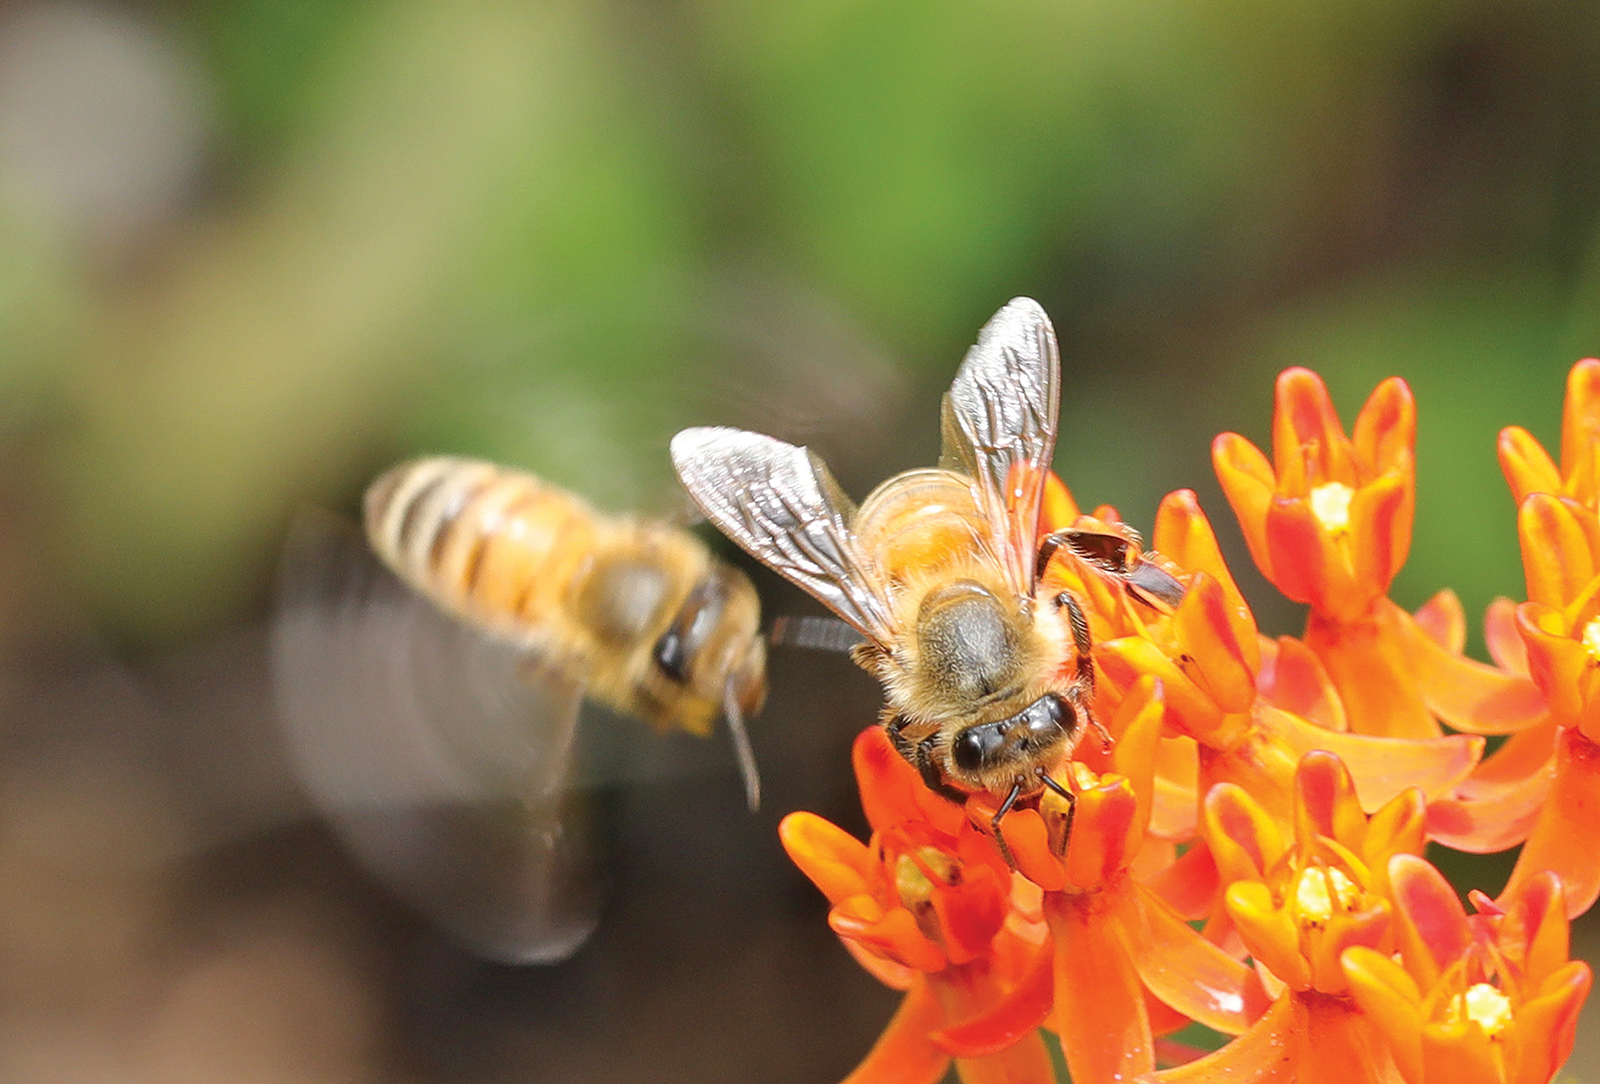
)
(1138, 723)
(1368, 927)
(965, 991)
(1460, 1053)
(1431, 929)
(1380, 530)
(891, 790)
(1023, 1009)
(1028, 838)
(1306, 565)
(1058, 509)
(1547, 1025)
(1175, 798)
(1294, 679)
(1325, 801)
(837, 862)
(1526, 465)
(1493, 823)
(1104, 832)
(1501, 638)
(1268, 1053)
(1184, 534)
(1533, 933)
(1100, 1012)
(1204, 630)
(1308, 441)
(1566, 838)
(893, 974)
(1386, 429)
(1557, 551)
(893, 933)
(1466, 694)
(1247, 481)
(1186, 971)
(1339, 1045)
(1444, 621)
(1557, 662)
(1127, 659)
(1188, 885)
(1580, 429)
(1396, 828)
(1268, 931)
(1391, 1000)
(904, 1053)
(1244, 838)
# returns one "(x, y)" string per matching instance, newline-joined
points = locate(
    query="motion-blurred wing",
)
(999, 428)
(438, 754)
(782, 505)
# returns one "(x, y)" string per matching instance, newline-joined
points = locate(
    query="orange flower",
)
(1298, 903)
(1527, 466)
(1490, 999)
(930, 908)
(1329, 521)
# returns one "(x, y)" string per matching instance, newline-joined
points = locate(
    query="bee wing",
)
(440, 756)
(782, 505)
(999, 428)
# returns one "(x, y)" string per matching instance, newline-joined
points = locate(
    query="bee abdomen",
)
(475, 537)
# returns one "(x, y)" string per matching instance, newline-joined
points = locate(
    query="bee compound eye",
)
(975, 745)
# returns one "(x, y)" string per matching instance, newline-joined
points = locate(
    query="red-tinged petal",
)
(1248, 483)
(1367, 928)
(1498, 819)
(1380, 530)
(1460, 1053)
(1205, 632)
(1533, 933)
(891, 791)
(1526, 464)
(1431, 929)
(1466, 694)
(1268, 1053)
(1520, 762)
(1367, 662)
(970, 913)
(1566, 839)
(1176, 797)
(1024, 1008)
(1556, 662)
(1547, 1025)
(1138, 726)
(893, 933)
(1557, 555)
(896, 976)
(1308, 442)
(1189, 885)
(1385, 432)
(1293, 678)
(837, 862)
(1104, 835)
(1390, 998)
(1187, 972)
(1058, 509)
(1444, 621)
(1580, 417)
(1381, 767)
(1325, 801)
(1184, 534)
(1395, 829)
(1268, 931)
(1243, 837)
(904, 1053)
(1100, 1014)
(1028, 837)
(1500, 636)
(1339, 1045)
(1127, 659)
(1306, 565)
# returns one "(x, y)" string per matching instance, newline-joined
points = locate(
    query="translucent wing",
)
(782, 505)
(999, 428)
(440, 756)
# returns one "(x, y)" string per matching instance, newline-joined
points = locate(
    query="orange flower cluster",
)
(1246, 854)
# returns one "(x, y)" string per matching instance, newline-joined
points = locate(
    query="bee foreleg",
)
(1072, 810)
(1082, 691)
(994, 824)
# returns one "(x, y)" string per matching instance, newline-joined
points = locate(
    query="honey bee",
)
(988, 677)
(431, 700)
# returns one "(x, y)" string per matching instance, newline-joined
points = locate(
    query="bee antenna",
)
(815, 633)
(741, 746)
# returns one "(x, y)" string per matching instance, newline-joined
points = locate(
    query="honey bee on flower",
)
(986, 664)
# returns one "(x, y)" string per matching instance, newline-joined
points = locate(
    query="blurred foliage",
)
(552, 233)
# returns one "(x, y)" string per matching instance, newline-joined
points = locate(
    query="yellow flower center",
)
(1330, 503)
(1317, 891)
(1591, 638)
(1483, 1005)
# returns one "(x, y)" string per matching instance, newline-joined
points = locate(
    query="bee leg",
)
(1072, 810)
(1082, 691)
(920, 756)
(994, 824)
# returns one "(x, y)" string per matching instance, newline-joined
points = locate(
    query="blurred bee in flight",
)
(431, 703)
(988, 677)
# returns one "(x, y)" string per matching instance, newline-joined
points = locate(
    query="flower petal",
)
(1533, 933)
(1391, 1000)
(1526, 464)
(1268, 1053)
(1385, 432)
(1186, 971)
(1339, 1045)
(1058, 509)
(1501, 638)
(1294, 679)
(1325, 801)
(1380, 530)
(892, 792)
(1444, 621)
(1268, 931)
(1306, 565)
(1205, 632)
(1367, 662)
(1100, 1014)
(1243, 837)
(1466, 694)
(1104, 838)
(1557, 554)
(1308, 441)
(1184, 534)
(904, 1053)
(837, 862)
(1547, 1025)
(1566, 839)
(1431, 929)
(1580, 429)
(1024, 1008)
(1248, 483)
(1460, 1053)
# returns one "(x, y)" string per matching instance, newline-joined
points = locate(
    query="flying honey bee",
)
(431, 702)
(988, 678)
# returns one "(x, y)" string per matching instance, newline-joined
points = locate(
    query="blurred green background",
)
(252, 251)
